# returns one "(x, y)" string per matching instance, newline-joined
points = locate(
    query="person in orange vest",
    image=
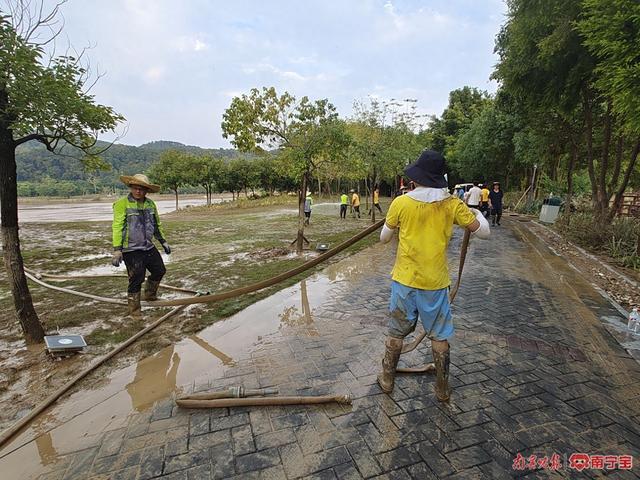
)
(355, 202)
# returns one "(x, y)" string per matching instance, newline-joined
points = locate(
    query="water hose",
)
(9, 433)
(64, 278)
(33, 278)
(273, 280)
(264, 401)
(233, 392)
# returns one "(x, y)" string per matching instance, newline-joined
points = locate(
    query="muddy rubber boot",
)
(133, 300)
(393, 347)
(150, 290)
(442, 389)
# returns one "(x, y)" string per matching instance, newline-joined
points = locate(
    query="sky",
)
(172, 67)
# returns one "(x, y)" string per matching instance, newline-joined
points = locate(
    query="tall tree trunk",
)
(588, 116)
(572, 161)
(25, 312)
(617, 199)
(176, 192)
(301, 196)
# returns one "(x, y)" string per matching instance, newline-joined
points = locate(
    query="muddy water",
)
(90, 211)
(78, 421)
(577, 296)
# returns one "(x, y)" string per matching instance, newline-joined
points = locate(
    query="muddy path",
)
(214, 250)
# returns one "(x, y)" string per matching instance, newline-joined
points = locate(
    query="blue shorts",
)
(432, 306)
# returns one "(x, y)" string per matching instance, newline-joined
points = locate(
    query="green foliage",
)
(171, 170)
(35, 163)
(618, 239)
(465, 104)
(611, 32)
(306, 133)
(47, 98)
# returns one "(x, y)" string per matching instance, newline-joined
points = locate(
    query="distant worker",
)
(308, 201)
(355, 202)
(376, 199)
(344, 201)
(495, 203)
(473, 196)
(420, 282)
(135, 222)
(484, 200)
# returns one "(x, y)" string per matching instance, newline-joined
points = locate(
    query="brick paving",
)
(533, 372)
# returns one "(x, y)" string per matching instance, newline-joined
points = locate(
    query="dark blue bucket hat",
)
(428, 170)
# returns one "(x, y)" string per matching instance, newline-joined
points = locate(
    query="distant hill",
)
(36, 164)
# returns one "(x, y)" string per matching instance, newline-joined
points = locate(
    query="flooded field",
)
(91, 211)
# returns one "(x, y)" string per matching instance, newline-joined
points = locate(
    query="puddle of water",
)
(77, 421)
(85, 258)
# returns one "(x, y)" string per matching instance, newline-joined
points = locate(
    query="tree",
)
(611, 32)
(172, 171)
(574, 63)
(383, 140)
(305, 132)
(45, 100)
(465, 104)
(205, 170)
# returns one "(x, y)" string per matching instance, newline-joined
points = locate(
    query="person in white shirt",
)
(473, 200)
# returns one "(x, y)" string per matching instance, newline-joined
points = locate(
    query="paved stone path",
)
(533, 369)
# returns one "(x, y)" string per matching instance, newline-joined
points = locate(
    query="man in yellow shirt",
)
(355, 202)
(376, 200)
(420, 283)
(484, 200)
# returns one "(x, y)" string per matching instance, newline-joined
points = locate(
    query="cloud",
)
(154, 74)
(191, 43)
(196, 56)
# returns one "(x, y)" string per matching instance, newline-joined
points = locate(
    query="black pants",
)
(377, 205)
(138, 262)
(484, 208)
(343, 211)
(307, 217)
(496, 212)
(357, 210)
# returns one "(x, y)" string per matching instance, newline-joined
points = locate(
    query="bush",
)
(618, 239)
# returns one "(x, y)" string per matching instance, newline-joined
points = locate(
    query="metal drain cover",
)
(64, 343)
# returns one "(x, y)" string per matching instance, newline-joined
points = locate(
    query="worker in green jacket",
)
(135, 223)
(344, 201)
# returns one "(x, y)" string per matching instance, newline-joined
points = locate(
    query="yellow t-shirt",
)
(355, 200)
(484, 194)
(375, 197)
(425, 231)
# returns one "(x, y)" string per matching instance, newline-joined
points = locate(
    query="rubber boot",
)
(442, 389)
(133, 300)
(393, 347)
(150, 290)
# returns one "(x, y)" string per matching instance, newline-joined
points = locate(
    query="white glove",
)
(484, 231)
(386, 234)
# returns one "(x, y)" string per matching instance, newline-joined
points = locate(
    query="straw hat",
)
(139, 179)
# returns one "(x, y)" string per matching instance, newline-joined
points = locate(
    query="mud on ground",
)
(626, 293)
(214, 249)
